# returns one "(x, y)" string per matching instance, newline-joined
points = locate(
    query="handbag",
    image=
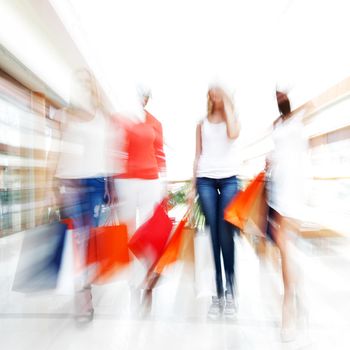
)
(66, 274)
(173, 249)
(40, 258)
(107, 249)
(204, 269)
(246, 203)
(149, 240)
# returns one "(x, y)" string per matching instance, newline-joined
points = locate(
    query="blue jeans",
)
(81, 200)
(214, 196)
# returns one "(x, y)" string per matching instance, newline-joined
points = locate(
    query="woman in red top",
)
(138, 184)
(143, 146)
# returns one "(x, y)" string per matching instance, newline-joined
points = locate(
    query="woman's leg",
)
(95, 193)
(208, 198)
(228, 189)
(151, 193)
(72, 201)
(127, 193)
(76, 205)
(279, 233)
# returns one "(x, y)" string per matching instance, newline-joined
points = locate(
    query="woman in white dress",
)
(286, 198)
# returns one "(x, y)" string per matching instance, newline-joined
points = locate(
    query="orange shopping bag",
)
(257, 219)
(243, 204)
(173, 248)
(107, 249)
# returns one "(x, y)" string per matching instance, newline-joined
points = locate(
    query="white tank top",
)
(218, 159)
(83, 151)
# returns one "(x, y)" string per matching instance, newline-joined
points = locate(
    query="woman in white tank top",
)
(81, 171)
(215, 179)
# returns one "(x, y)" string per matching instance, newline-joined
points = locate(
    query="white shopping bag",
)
(204, 264)
(66, 275)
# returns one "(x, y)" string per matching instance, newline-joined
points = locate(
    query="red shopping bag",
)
(242, 205)
(108, 250)
(69, 222)
(149, 240)
(173, 248)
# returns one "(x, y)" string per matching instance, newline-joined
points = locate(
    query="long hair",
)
(283, 103)
(210, 104)
(227, 101)
(98, 98)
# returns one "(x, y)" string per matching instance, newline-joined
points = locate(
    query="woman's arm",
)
(192, 193)
(159, 150)
(53, 159)
(232, 123)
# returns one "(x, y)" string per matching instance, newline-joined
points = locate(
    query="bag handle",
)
(112, 217)
(187, 213)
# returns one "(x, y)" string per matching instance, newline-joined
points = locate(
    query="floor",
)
(180, 302)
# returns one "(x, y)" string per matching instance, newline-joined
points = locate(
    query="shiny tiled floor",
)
(178, 317)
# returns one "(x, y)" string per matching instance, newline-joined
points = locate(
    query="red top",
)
(144, 149)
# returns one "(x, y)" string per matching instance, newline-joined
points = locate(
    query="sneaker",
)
(84, 311)
(230, 310)
(288, 335)
(289, 318)
(216, 307)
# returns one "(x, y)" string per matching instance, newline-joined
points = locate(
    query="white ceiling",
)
(179, 47)
(38, 46)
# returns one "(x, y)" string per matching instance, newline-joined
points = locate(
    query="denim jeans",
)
(81, 200)
(214, 196)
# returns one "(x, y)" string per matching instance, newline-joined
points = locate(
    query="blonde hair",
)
(210, 104)
(98, 98)
(228, 103)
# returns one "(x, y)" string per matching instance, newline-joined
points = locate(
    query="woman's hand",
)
(111, 197)
(110, 192)
(52, 199)
(191, 196)
(228, 105)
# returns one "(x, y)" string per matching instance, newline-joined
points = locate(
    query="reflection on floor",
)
(178, 317)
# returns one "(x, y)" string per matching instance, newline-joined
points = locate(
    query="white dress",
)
(287, 192)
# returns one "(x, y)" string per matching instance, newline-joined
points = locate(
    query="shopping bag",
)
(172, 251)
(69, 222)
(67, 272)
(107, 249)
(187, 245)
(150, 239)
(204, 268)
(241, 206)
(40, 258)
(79, 265)
(256, 222)
(186, 255)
